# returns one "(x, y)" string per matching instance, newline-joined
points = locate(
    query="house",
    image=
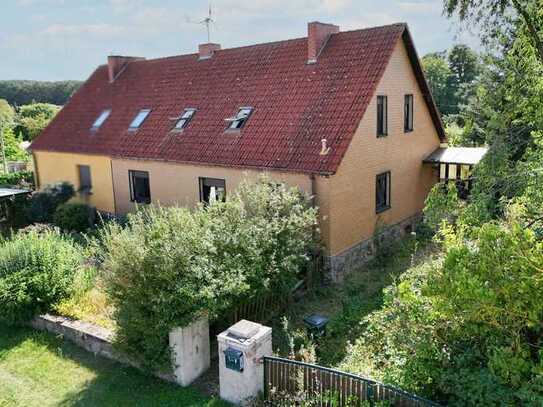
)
(346, 116)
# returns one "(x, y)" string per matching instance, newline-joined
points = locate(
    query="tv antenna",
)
(207, 22)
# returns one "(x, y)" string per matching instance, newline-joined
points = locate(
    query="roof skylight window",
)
(101, 119)
(139, 119)
(241, 118)
(184, 119)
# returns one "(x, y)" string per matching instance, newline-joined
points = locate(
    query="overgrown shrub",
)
(466, 330)
(36, 272)
(74, 217)
(44, 203)
(167, 267)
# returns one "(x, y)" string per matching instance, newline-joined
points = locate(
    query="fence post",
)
(370, 395)
(266, 378)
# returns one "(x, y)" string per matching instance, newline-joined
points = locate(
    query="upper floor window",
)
(184, 119)
(382, 116)
(241, 118)
(408, 113)
(212, 189)
(382, 192)
(139, 119)
(101, 119)
(140, 190)
(85, 180)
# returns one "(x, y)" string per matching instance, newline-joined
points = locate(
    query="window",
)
(241, 118)
(382, 192)
(212, 189)
(140, 191)
(139, 119)
(85, 181)
(408, 114)
(382, 116)
(184, 119)
(100, 120)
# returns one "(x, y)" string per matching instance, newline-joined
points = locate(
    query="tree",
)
(494, 15)
(12, 146)
(32, 119)
(7, 114)
(439, 76)
(19, 93)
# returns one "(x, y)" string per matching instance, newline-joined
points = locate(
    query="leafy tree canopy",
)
(18, 93)
(33, 118)
(7, 114)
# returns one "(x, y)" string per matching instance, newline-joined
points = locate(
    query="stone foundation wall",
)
(351, 259)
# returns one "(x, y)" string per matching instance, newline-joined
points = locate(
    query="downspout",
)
(315, 269)
(113, 187)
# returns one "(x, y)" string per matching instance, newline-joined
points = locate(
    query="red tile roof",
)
(295, 104)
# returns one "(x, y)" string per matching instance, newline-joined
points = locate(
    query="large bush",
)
(74, 217)
(466, 330)
(44, 203)
(167, 267)
(36, 272)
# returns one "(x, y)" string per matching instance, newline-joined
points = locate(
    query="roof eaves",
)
(423, 84)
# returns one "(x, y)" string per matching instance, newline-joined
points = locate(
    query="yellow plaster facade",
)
(52, 167)
(178, 184)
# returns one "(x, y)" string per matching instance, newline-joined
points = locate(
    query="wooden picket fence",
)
(292, 383)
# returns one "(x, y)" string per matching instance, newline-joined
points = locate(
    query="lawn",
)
(347, 304)
(39, 369)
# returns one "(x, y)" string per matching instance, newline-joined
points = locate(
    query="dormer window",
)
(241, 118)
(184, 119)
(139, 119)
(100, 120)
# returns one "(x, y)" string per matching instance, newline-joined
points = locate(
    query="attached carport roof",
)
(457, 155)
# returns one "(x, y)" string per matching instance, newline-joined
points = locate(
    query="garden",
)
(158, 268)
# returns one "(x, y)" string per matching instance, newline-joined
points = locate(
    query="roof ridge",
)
(260, 44)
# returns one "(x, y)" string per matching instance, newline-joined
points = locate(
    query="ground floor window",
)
(382, 192)
(212, 189)
(85, 181)
(140, 191)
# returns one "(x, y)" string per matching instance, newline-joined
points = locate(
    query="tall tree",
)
(495, 15)
(439, 76)
(33, 118)
(464, 64)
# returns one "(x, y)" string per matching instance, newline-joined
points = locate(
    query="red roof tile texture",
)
(296, 104)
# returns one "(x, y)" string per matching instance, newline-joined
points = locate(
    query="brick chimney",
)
(117, 63)
(206, 51)
(317, 36)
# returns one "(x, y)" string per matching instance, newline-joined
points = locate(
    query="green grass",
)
(347, 304)
(39, 369)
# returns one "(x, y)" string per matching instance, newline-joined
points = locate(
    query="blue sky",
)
(67, 39)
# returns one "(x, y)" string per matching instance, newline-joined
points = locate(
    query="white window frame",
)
(100, 120)
(139, 119)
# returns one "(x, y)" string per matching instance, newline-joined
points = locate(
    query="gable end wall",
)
(352, 218)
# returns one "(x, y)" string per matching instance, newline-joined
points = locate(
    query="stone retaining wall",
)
(90, 337)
